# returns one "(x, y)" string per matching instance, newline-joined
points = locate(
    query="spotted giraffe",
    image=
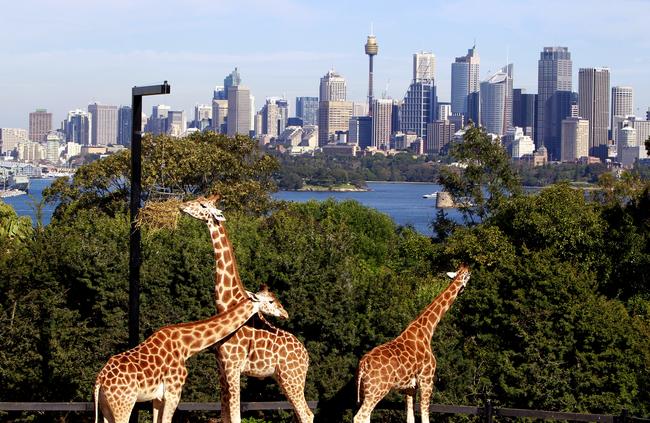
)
(258, 348)
(406, 363)
(155, 369)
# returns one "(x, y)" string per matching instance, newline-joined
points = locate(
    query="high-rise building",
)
(628, 148)
(360, 131)
(77, 126)
(239, 111)
(307, 110)
(40, 123)
(424, 67)
(332, 87)
(464, 80)
(124, 125)
(575, 139)
(524, 107)
(439, 134)
(202, 116)
(382, 112)
(157, 123)
(52, 147)
(622, 103)
(553, 83)
(496, 101)
(371, 50)
(219, 93)
(10, 138)
(232, 80)
(593, 104)
(333, 117)
(444, 111)
(103, 130)
(517, 144)
(219, 115)
(275, 113)
(176, 123)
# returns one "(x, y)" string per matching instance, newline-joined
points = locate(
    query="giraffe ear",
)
(452, 274)
(264, 288)
(214, 198)
(253, 297)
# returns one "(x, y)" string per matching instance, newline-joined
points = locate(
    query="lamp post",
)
(136, 183)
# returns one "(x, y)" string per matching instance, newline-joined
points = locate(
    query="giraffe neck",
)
(197, 336)
(228, 288)
(425, 324)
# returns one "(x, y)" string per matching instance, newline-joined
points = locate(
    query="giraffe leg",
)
(426, 389)
(410, 415)
(292, 383)
(370, 401)
(171, 402)
(158, 407)
(224, 394)
(234, 388)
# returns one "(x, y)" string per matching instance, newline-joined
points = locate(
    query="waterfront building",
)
(239, 118)
(103, 128)
(40, 124)
(593, 104)
(307, 110)
(496, 101)
(464, 80)
(554, 85)
(382, 111)
(10, 138)
(575, 139)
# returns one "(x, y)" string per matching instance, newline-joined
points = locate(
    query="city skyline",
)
(62, 57)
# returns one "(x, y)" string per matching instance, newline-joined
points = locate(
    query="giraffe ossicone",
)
(258, 348)
(406, 363)
(155, 369)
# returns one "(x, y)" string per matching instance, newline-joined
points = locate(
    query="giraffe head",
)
(203, 208)
(268, 304)
(462, 275)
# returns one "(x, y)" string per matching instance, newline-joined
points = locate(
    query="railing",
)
(487, 413)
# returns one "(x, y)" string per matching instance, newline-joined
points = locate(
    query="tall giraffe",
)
(258, 348)
(155, 369)
(406, 363)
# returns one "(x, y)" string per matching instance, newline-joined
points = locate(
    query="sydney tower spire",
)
(371, 50)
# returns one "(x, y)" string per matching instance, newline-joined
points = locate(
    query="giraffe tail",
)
(360, 375)
(96, 398)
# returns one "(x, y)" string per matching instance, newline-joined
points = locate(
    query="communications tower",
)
(371, 50)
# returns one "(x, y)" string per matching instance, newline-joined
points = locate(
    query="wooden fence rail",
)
(486, 412)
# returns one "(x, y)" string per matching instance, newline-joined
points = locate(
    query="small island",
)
(335, 188)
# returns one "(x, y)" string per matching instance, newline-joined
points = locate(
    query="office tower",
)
(464, 80)
(593, 103)
(332, 87)
(575, 139)
(52, 144)
(496, 101)
(397, 116)
(628, 147)
(524, 107)
(474, 107)
(274, 113)
(176, 123)
(157, 122)
(231, 80)
(219, 115)
(10, 138)
(124, 125)
(439, 135)
(622, 103)
(103, 129)
(382, 112)
(360, 109)
(444, 111)
(333, 116)
(553, 77)
(219, 93)
(40, 123)
(202, 116)
(360, 131)
(239, 111)
(307, 110)
(295, 121)
(457, 119)
(371, 50)
(424, 67)
(77, 126)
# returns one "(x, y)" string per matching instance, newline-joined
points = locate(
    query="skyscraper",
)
(382, 112)
(176, 123)
(593, 104)
(464, 80)
(360, 128)
(219, 115)
(524, 108)
(40, 123)
(332, 87)
(333, 116)
(239, 111)
(307, 110)
(553, 77)
(233, 79)
(77, 126)
(124, 125)
(275, 113)
(424, 67)
(575, 139)
(371, 50)
(420, 103)
(496, 101)
(157, 123)
(439, 134)
(10, 138)
(103, 130)
(622, 103)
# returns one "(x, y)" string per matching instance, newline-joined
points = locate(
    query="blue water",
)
(403, 202)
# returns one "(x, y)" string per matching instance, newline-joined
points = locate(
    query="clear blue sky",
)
(64, 54)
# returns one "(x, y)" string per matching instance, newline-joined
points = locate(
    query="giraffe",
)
(155, 369)
(406, 363)
(257, 349)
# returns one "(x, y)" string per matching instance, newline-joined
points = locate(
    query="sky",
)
(64, 54)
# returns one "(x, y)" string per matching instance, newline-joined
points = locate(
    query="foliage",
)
(13, 227)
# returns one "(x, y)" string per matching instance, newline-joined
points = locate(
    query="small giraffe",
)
(406, 362)
(155, 369)
(258, 348)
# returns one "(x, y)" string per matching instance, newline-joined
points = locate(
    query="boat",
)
(19, 182)
(432, 196)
